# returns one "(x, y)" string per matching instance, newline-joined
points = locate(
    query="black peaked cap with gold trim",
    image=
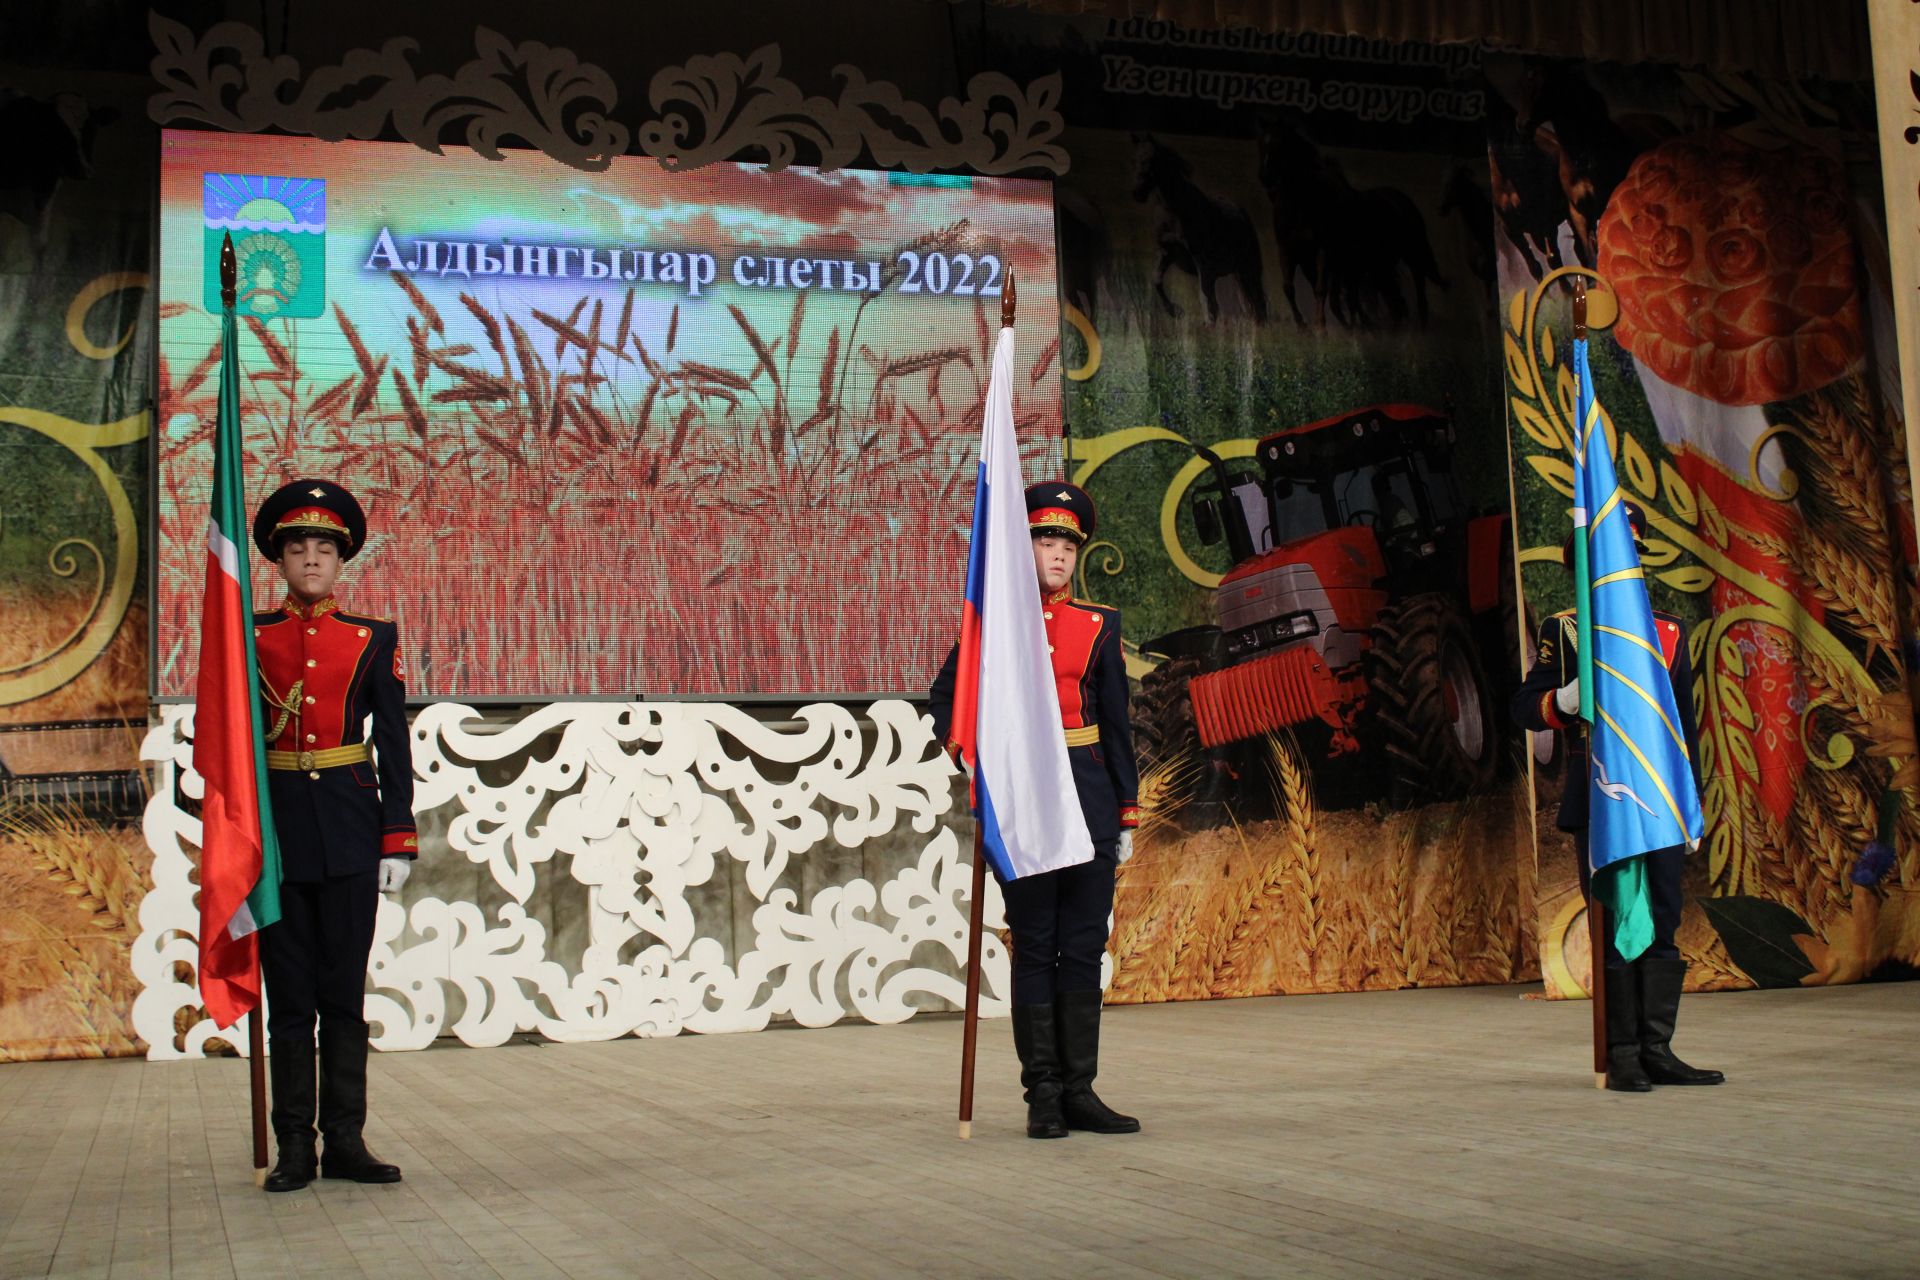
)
(307, 507)
(1059, 507)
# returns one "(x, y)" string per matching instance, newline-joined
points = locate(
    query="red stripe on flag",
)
(230, 853)
(964, 730)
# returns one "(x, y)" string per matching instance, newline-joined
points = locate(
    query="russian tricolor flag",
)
(1006, 710)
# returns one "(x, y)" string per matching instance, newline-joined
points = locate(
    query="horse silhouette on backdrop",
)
(1527, 196)
(1352, 242)
(1570, 123)
(1209, 238)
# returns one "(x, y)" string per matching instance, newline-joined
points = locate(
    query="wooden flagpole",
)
(256, 1033)
(257, 1079)
(1597, 943)
(1596, 914)
(970, 1034)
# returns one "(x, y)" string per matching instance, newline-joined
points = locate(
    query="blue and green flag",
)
(1640, 789)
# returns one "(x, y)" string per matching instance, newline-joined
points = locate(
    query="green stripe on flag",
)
(1622, 887)
(229, 516)
(1583, 566)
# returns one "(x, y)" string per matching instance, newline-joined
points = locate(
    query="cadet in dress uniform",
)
(1059, 918)
(343, 809)
(1643, 998)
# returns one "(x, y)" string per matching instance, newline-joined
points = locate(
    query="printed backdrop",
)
(75, 350)
(1754, 396)
(1258, 234)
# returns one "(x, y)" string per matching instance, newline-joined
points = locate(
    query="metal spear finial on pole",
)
(1009, 299)
(229, 271)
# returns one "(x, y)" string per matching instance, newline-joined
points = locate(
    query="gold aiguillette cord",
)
(288, 705)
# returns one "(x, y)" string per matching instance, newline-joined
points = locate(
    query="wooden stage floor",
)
(1420, 1133)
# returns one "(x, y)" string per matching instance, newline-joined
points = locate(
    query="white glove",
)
(1567, 698)
(394, 873)
(1126, 844)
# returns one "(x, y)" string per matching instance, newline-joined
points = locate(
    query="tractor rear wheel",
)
(1198, 788)
(1163, 726)
(1430, 706)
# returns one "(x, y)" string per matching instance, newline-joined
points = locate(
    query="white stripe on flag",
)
(223, 550)
(242, 923)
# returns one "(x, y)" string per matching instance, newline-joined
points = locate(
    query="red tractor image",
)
(1368, 613)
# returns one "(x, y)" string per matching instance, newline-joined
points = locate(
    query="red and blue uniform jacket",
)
(1556, 663)
(1090, 673)
(323, 672)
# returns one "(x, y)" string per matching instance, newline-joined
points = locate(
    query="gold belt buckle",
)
(306, 760)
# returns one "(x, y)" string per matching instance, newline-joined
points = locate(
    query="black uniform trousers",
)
(315, 958)
(1666, 871)
(1059, 924)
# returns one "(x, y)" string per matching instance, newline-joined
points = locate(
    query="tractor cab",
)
(1362, 598)
(1387, 468)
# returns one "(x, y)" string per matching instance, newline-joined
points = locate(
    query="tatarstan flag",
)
(239, 855)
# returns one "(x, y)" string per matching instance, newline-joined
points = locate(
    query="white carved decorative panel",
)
(636, 804)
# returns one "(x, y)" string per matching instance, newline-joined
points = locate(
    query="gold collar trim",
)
(320, 608)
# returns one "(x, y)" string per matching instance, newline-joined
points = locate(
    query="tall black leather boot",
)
(343, 1106)
(1660, 984)
(1034, 1039)
(1624, 1072)
(1078, 1013)
(290, 1073)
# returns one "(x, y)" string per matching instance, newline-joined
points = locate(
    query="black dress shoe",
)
(1661, 981)
(1045, 1120)
(343, 1105)
(348, 1160)
(1079, 1032)
(1663, 1067)
(290, 1068)
(294, 1169)
(1624, 1072)
(1036, 1041)
(1085, 1111)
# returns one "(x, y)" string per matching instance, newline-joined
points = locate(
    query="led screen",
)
(622, 433)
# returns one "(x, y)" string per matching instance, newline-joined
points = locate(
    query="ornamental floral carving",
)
(543, 97)
(714, 108)
(640, 805)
